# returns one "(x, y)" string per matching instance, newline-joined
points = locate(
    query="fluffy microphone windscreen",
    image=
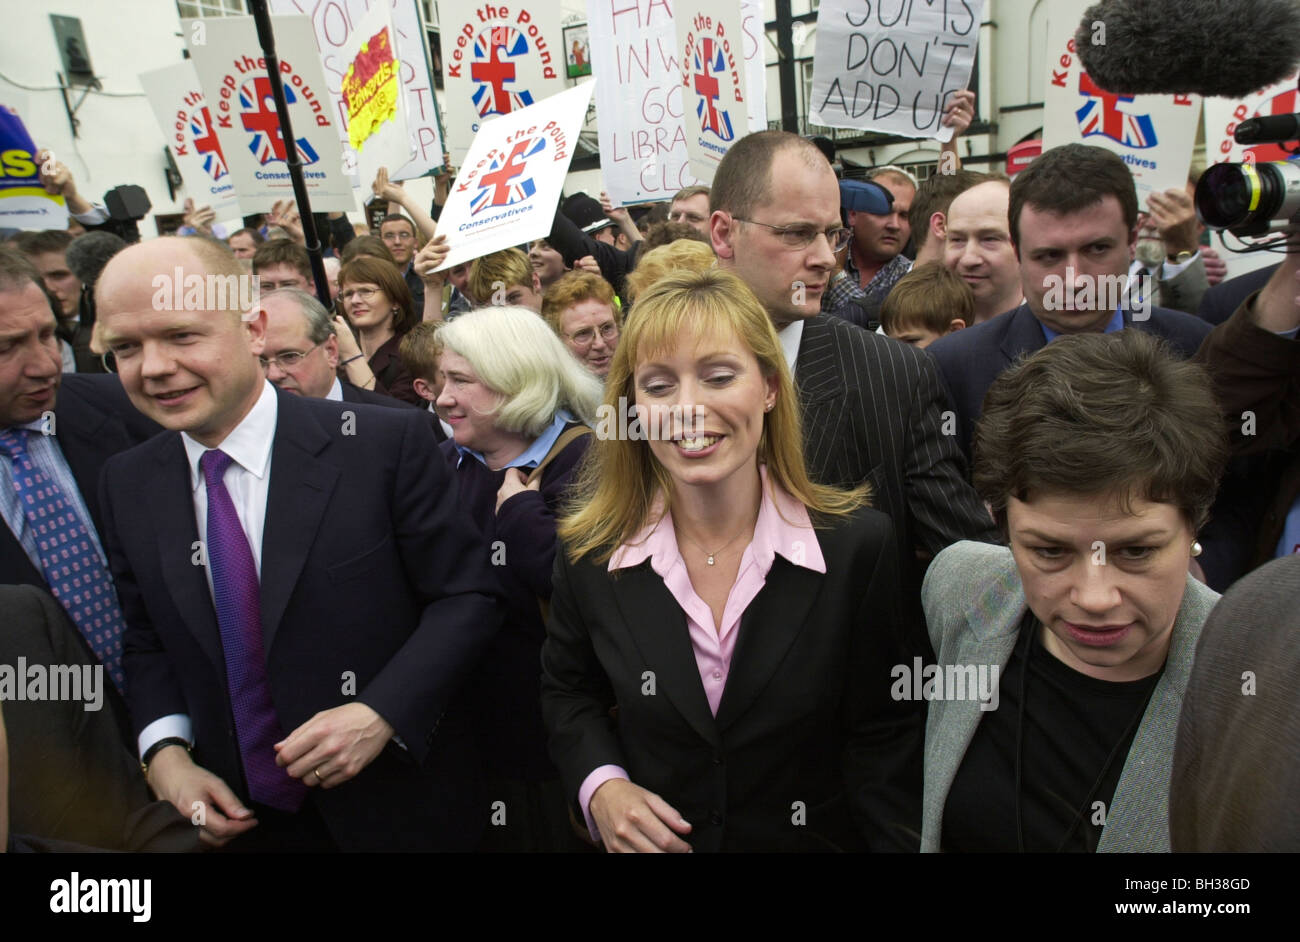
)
(1226, 48)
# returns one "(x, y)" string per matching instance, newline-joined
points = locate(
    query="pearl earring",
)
(1196, 547)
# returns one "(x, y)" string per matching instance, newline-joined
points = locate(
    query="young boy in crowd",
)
(927, 303)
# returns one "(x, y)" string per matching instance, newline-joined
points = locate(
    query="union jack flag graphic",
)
(206, 144)
(496, 52)
(259, 117)
(499, 186)
(1102, 115)
(709, 63)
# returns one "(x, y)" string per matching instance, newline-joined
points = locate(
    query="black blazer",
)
(370, 569)
(873, 410)
(971, 359)
(1218, 303)
(806, 723)
(353, 393)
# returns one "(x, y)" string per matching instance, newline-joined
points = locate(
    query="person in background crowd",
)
(370, 245)
(702, 539)
(420, 351)
(244, 243)
(1082, 630)
(505, 277)
(580, 309)
(332, 544)
(978, 247)
(662, 233)
(581, 228)
(1169, 266)
(928, 215)
(332, 267)
(47, 250)
(520, 407)
(281, 263)
(690, 206)
(873, 261)
(377, 304)
(679, 255)
(927, 303)
(547, 262)
(626, 233)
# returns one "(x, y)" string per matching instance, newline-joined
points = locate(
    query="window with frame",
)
(199, 9)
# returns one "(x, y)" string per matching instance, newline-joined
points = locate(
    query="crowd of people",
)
(798, 513)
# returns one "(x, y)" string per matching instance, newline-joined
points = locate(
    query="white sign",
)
(187, 125)
(1222, 115)
(335, 23)
(496, 60)
(1153, 134)
(714, 86)
(639, 103)
(512, 179)
(232, 71)
(373, 100)
(892, 67)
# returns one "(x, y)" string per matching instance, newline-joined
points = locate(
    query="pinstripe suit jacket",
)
(974, 603)
(873, 411)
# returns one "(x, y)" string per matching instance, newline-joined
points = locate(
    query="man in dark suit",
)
(872, 407)
(56, 432)
(303, 595)
(1073, 217)
(1219, 303)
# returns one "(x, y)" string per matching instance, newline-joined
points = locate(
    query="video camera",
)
(1254, 199)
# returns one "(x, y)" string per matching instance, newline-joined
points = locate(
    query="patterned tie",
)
(236, 592)
(73, 569)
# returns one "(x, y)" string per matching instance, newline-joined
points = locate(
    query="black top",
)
(1072, 723)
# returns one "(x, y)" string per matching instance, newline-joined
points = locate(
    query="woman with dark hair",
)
(1063, 656)
(716, 669)
(378, 304)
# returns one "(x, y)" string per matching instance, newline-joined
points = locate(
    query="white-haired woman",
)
(521, 408)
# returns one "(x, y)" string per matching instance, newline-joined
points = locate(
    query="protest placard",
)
(513, 177)
(711, 47)
(335, 23)
(496, 60)
(1222, 115)
(232, 72)
(373, 98)
(186, 122)
(24, 204)
(639, 102)
(1153, 134)
(892, 67)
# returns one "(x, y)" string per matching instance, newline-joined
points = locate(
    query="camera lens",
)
(1248, 199)
(1223, 196)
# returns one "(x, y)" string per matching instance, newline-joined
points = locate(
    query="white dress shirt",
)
(336, 391)
(247, 479)
(791, 336)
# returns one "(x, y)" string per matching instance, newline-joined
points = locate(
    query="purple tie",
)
(236, 592)
(73, 570)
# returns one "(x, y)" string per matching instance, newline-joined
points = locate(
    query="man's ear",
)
(939, 225)
(254, 322)
(956, 325)
(423, 389)
(537, 283)
(332, 351)
(722, 230)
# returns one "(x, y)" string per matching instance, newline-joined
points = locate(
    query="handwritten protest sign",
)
(232, 71)
(1153, 134)
(24, 204)
(373, 99)
(335, 24)
(498, 59)
(713, 83)
(186, 122)
(639, 102)
(892, 67)
(513, 177)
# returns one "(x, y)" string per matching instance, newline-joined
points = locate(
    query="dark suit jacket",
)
(353, 393)
(1218, 303)
(971, 359)
(806, 720)
(391, 375)
(369, 570)
(872, 411)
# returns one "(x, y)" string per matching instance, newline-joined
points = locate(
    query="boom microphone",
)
(1203, 47)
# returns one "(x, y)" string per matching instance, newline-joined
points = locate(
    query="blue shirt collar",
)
(1116, 323)
(532, 455)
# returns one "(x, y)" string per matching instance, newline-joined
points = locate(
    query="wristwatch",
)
(1181, 258)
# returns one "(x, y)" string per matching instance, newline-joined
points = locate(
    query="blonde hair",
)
(615, 492)
(680, 255)
(517, 355)
(510, 267)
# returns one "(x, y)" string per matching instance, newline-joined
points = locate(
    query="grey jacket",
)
(974, 604)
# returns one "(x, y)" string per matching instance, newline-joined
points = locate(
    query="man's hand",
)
(429, 258)
(384, 190)
(284, 213)
(199, 218)
(57, 180)
(632, 820)
(1216, 269)
(174, 777)
(1174, 216)
(587, 263)
(616, 213)
(960, 112)
(514, 483)
(334, 745)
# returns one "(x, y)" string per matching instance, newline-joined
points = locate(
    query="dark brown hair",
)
(1071, 178)
(743, 180)
(370, 245)
(935, 195)
(367, 269)
(1092, 414)
(930, 296)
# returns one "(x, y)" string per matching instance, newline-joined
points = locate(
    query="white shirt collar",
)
(248, 444)
(791, 336)
(336, 391)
